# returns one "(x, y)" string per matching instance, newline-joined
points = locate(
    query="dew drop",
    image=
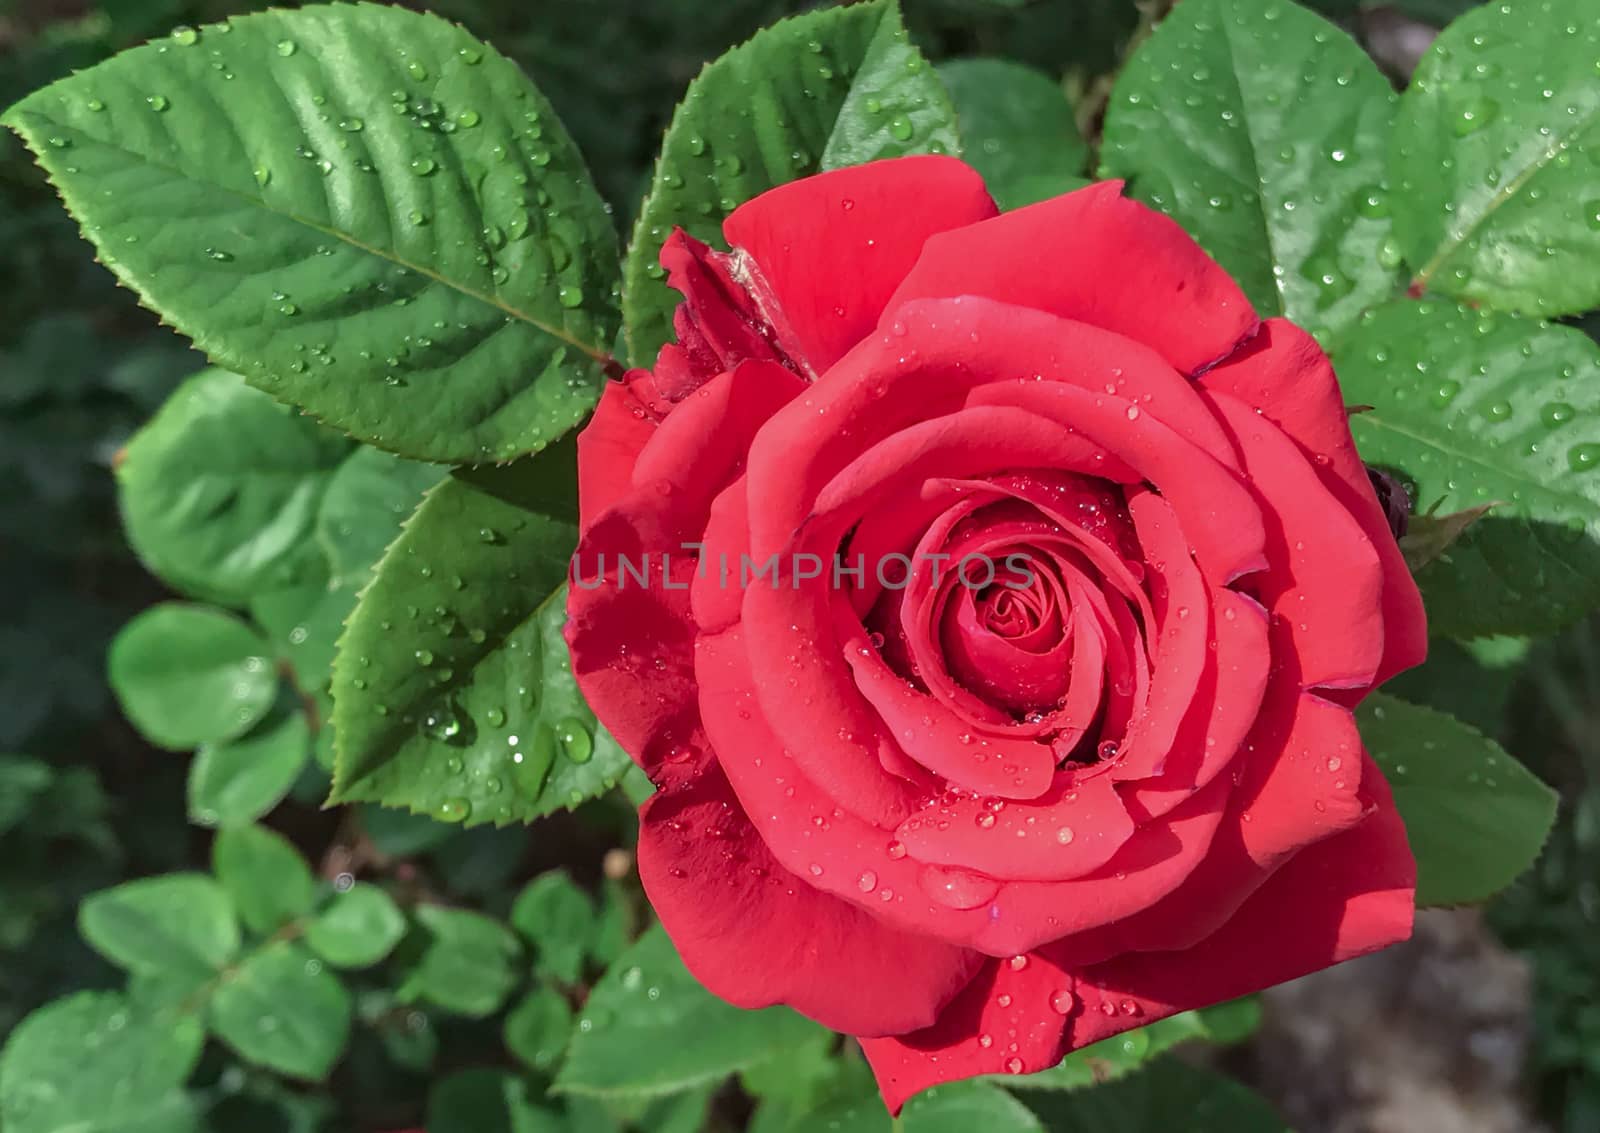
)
(576, 743)
(957, 888)
(287, 47)
(453, 810)
(531, 762)
(1475, 116)
(1558, 413)
(1582, 458)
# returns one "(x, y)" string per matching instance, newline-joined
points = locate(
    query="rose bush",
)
(981, 818)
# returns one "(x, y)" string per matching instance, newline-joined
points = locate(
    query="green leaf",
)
(469, 965)
(630, 1039)
(401, 834)
(1262, 128)
(829, 88)
(180, 922)
(188, 675)
(487, 1101)
(470, 712)
(805, 1079)
(357, 929)
(1476, 817)
(965, 1106)
(537, 1029)
(559, 919)
(1472, 681)
(305, 622)
(1473, 408)
(1166, 1095)
(363, 209)
(22, 781)
(960, 1107)
(369, 498)
(1492, 151)
(281, 1009)
(220, 490)
(1121, 1054)
(1017, 129)
(94, 1063)
(235, 783)
(269, 881)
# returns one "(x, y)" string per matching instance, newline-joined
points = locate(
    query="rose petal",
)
(1325, 581)
(1175, 636)
(1030, 840)
(828, 251)
(607, 448)
(1344, 897)
(1220, 519)
(1010, 1020)
(629, 626)
(1284, 374)
(1223, 711)
(756, 935)
(1099, 258)
(1300, 783)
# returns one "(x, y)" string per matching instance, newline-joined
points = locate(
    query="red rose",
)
(981, 822)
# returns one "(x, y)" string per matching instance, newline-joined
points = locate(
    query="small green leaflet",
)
(220, 488)
(357, 929)
(1474, 408)
(537, 1029)
(469, 965)
(77, 1061)
(1017, 129)
(364, 210)
(236, 782)
(188, 675)
(629, 1037)
(179, 923)
(281, 1009)
(1262, 129)
(835, 87)
(1493, 154)
(960, 1107)
(369, 497)
(269, 882)
(453, 689)
(1476, 817)
(559, 919)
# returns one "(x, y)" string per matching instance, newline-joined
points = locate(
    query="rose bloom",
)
(981, 825)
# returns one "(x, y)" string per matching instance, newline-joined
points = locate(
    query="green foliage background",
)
(360, 968)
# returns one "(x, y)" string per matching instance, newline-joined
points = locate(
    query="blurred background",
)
(1489, 1020)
